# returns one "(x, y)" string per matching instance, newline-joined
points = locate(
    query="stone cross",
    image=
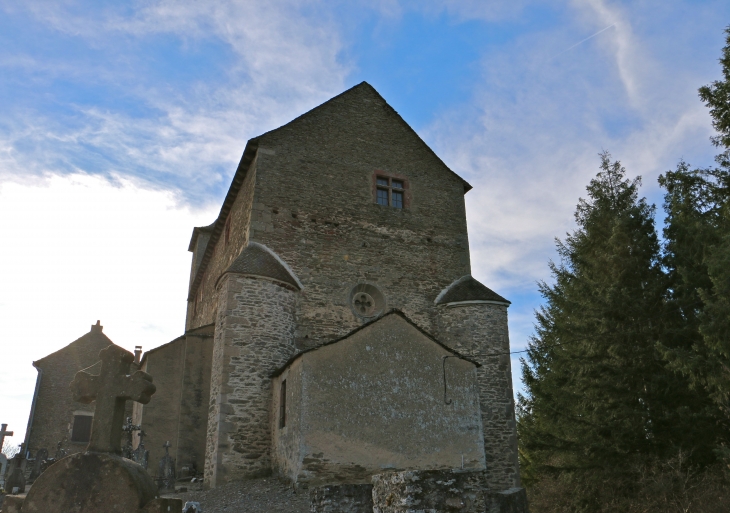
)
(111, 388)
(3, 433)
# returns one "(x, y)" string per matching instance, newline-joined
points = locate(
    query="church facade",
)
(333, 327)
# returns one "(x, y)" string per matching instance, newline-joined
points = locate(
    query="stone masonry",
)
(307, 191)
(480, 332)
(253, 337)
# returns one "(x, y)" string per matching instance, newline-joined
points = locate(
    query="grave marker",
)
(166, 471)
(3, 433)
(100, 480)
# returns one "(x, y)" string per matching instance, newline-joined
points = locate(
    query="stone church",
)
(333, 328)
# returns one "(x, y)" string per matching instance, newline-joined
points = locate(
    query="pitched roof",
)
(467, 289)
(79, 348)
(378, 319)
(249, 153)
(259, 261)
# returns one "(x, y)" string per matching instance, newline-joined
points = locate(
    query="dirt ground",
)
(266, 495)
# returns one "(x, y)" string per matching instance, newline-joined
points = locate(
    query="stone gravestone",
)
(140, 454)
(38, 465)
(166, 471)
(100, 480)
(15, 482)
(3, 468)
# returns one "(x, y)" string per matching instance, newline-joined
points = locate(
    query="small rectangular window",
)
(397, 199)
(390, 191)
(383, 197)
(282, 405)
(81, 431)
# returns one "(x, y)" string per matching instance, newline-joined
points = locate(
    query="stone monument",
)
(140, 454)
(15, 482)
(101, 480)
(3, 468)
(38, 464)
(166, 471)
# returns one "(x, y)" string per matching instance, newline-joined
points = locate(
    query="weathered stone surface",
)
(432, 491)
(91, 483)
(512, 500)
(348, 498)
(13, 503)
(480, 331)
(110, 390)
(163, 505)
(254, 337)
(377, 400)
(16, 476)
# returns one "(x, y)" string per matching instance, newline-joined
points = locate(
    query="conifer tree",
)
(599, 397)
(697, 258)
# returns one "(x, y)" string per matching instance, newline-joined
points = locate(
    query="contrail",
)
(586, 39)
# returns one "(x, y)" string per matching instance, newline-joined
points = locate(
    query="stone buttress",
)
(254, 336)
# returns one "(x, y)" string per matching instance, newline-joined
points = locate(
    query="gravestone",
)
(101, 480)
(166, 471)
(3, 469)
(38, 465)
(15, 482)
(141, 455)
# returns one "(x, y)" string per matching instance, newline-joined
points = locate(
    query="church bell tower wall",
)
(254, 336)
(480, 331)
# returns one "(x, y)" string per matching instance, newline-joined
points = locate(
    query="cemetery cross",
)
(3, 433)
(111, 389)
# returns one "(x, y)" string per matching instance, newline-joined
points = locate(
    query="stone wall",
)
(479, 330)
(253, 338)
(376, 399)
(195, 400)
(348, 498)
(161, 416)
(433, 491)
(202, 306)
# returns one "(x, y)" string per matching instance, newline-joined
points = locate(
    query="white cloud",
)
(79, 248)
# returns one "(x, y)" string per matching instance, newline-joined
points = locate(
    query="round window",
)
(366, 300)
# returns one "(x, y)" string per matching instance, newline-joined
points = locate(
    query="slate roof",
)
(467, 288)
(258, 260)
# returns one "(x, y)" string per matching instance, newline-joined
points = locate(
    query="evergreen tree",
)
(717, 97)
(697, 256)
(599, 397)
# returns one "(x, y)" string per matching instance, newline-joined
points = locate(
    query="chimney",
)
(96, 328)
(137, 354)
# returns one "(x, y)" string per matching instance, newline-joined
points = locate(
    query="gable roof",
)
(94, 338)
(259, 261)
(468, 290)
(249, 154)
(370, 323)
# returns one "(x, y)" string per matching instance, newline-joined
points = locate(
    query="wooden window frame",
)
(391, 177)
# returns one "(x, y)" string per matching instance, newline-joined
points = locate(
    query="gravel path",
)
(268, 495)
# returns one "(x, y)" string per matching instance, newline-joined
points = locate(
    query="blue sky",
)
(121, 124)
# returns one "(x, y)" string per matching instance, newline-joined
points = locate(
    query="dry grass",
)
(667, 488)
